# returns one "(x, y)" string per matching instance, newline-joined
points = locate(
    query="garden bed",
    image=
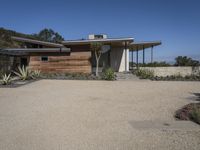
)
(107, 75)
(25, 76)
(18, 83)
(66, 76)
(149, 74)
(176, 78)
(189, 112)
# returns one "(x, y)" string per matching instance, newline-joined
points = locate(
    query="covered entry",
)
(135, 47)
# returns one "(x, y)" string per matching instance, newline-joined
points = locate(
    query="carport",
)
(138, 46)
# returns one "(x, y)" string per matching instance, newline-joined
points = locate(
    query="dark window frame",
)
(44, 58)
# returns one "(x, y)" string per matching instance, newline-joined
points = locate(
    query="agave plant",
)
(6, 79)
(24, 73)
(35, 74)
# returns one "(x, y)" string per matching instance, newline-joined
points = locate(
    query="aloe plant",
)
(24, 73)
(6, 79)
(35, 74)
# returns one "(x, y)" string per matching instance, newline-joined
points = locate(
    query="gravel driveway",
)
(97, 115)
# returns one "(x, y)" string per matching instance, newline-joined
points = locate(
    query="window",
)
(44, 58)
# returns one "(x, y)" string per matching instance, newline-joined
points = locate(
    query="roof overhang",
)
(104, 41)
(134, 46)
(36, 42)
(26, 51)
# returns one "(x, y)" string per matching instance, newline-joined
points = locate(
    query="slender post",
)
(152, 54)
(126, 57)
(143, 54)
(132, 59)
(137, 58)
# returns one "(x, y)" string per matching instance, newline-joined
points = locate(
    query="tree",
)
(57, 38)
(96, 47)
(49, 35)
(185, 61)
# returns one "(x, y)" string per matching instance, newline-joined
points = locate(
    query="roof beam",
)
(141, 45)
(36, 42)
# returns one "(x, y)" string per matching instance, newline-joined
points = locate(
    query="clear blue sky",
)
(175, 22)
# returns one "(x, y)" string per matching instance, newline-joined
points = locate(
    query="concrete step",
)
(126, 76)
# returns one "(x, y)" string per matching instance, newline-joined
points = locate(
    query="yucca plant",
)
(35, 74)
(6, 79)
(24, 73)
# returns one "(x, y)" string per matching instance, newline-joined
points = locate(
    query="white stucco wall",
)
(118, 59)
(167, 71)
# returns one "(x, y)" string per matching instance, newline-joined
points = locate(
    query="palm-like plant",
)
(6, 79)
(24, 73)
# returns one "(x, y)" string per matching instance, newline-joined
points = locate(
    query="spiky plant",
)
(6, 79)
(36, 74)
(23, 73)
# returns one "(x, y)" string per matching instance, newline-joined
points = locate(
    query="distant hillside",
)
(7, 42)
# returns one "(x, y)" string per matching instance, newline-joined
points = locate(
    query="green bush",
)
(177, 77)
(195, 115)
(35, 74)
(109, 74)
(144, 73)
(186, 61)
(155, 64)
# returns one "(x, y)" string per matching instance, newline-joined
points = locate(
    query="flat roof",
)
(145, 44)
(23, 51)
(36, 42)
(88, 41)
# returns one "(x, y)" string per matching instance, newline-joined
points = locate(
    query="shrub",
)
(189, 112)
(186, 61)
(35, 74)
(109, 74)
(144, 73)
(178, 77)
(6, 79)
(156, 64)
(24, 73)
(195, 115)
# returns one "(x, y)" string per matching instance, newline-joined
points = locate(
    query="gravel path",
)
(97, 115)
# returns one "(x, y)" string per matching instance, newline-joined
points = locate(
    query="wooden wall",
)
(8, 63)
(73, 62)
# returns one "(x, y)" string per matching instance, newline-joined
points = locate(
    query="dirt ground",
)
(97, 115)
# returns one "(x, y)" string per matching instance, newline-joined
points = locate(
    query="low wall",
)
(168, 71)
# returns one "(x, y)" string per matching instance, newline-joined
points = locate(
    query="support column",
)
(132, 59)
(125, 48)
(137, 58)
(143, 55)
(126, 57)
(152, 54)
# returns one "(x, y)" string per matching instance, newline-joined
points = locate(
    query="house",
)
(75, 56)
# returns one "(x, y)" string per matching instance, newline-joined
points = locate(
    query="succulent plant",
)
(6, 79)
(35, 74)
(23, 73)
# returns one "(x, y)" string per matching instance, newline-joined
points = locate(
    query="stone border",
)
(18, 83)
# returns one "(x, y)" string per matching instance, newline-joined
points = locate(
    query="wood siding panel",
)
(76, 62)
